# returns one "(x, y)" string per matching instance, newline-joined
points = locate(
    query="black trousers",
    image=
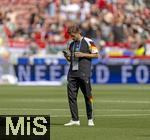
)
(74, 83)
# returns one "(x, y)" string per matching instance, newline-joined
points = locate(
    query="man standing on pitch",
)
(80, 52)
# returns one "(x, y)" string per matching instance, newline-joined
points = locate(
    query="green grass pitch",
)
(122, 112)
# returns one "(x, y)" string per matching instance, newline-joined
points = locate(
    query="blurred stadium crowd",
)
(39, 27)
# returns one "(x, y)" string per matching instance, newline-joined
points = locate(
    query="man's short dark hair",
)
(73, 29)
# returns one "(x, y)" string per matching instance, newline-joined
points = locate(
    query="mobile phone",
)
(65, 52)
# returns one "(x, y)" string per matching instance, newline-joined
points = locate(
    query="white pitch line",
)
(61, 100)
(114, 115)
(59, 116)
(120, 110)
(20, 109)
(123, 88)
(124, 101)
(67, 109)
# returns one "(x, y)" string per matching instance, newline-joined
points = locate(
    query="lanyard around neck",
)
(79, 47)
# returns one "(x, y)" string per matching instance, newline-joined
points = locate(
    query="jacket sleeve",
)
(91, 45)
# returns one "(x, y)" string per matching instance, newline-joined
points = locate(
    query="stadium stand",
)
(118, 27)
